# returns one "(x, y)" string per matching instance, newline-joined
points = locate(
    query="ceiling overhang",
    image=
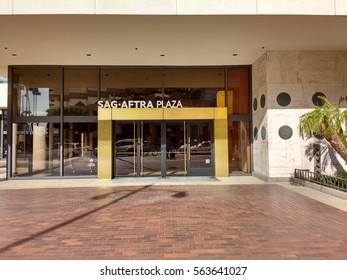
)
(162, 40)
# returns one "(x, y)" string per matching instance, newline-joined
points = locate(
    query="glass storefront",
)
(80, 142)
(125, 84)
(239, 120)
(36, 91)
(163, 148)
(195, 87)
(35, 150)
(80, 91)
(239, 147)
(54, 127)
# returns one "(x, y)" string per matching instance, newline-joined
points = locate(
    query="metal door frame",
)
(193, 171)
(138, 148)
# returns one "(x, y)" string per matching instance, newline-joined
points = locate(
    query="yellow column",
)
(104, 144)
(105, 149)
(221, 98)
(221, 142)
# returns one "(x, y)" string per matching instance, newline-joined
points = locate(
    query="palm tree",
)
(328, 121)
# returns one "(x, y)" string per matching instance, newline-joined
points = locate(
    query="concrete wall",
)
(300, 75)
(173, 7)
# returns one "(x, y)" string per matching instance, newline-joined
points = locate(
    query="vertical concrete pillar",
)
(39, 147)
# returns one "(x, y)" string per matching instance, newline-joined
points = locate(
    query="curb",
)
(323, 189)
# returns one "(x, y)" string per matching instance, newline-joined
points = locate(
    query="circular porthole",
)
(263, 133)
(316, 100)
(285, 132)
(255, 104)
(255, 133)
(283, 99)
(262, 101)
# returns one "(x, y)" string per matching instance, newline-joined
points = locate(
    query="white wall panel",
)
(297, 7)
(220, 7)
(341, 7)
(145, 7)
(6, 7)
(170, 7)
(53, 6)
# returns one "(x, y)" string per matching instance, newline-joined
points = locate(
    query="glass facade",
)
(36, 91)
(53, 117)
(195, 87)
(238, 101)
(35, 151)
(80, 91)
(138, 84)
(80, 141)
(54, 123)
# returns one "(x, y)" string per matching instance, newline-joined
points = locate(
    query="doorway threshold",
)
(169, 180)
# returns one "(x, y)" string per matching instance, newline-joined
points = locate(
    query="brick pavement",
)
(169, 222)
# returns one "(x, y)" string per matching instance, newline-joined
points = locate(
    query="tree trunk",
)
(335, 142)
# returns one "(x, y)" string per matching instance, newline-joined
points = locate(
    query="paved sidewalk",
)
(233, 180)
(55, 219)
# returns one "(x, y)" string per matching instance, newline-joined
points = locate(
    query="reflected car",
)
(70, 150)
(201, 148)
(124, 146)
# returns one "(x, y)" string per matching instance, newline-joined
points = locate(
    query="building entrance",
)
(163, 148)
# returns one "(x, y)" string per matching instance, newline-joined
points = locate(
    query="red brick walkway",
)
(169, 222)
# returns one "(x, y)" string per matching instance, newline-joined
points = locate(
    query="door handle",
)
(188, 148)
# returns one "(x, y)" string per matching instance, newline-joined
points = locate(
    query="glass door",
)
(150, 149)
(176, 148)
(189, 148)
(137, 149)
(200, 149)
(125, 149)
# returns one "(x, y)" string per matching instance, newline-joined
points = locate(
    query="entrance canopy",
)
(161, 40)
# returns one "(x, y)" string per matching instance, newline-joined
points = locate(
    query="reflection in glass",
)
(200, 145)
(194, 87)
(137, 149)
(36, 91)
(238, 83)
(34, 149)
(176, 148)
(239, 147)
(150, 149)
(125, 84)
(125, 149)
(80, 91)
(80, 149)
